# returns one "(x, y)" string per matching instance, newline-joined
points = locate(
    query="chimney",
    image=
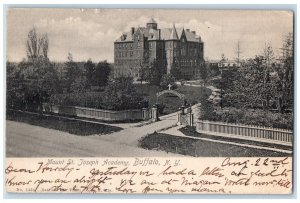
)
(187, 30)
(132, 30)
(194, 32)
(159, 34)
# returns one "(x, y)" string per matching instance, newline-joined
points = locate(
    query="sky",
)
(90, 33)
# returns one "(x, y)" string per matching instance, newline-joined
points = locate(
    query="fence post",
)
(154, 113)
(179, 117)
(145, 114)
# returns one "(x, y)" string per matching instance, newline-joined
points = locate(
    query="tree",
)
(269, 56)
(154, 73)
(102, 73)
(37, 82)
(90, 70)
(121, 94)
(203, 71)
(34, 80)
(223, 60)
(285, 72)
(166, 80)
(79, 84)
(143, 72)
(14, 96)
(228, 81)
(175, 71)
(37, 46)
(238, 53)
(72, 72)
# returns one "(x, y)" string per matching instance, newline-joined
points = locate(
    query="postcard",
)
(149, 101)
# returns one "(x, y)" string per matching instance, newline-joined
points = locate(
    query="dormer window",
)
(124, 37)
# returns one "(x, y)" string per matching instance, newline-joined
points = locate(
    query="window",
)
(131, 45)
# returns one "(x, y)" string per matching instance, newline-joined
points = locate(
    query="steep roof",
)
(125, 37)
(165, 34)
(173, 35)
(152, 21)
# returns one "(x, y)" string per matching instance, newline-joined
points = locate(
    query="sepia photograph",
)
(190, 85)
(149, 82)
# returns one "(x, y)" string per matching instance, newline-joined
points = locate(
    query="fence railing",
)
(246, 131)
(108, 115)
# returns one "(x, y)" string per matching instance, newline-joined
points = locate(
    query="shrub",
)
(256, 117)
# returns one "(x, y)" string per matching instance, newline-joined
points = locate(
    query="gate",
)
(185, 116)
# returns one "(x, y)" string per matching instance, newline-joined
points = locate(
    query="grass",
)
(62, 124)
(172, 103)
(96, 119)
(191, 131)
(200, 148)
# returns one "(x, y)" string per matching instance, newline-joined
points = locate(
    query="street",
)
(24, 140)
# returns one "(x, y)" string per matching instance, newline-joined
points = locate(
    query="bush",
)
(121, 94)
(118, 95)
(160, 108)
(85, 99)
(256, 117)
(166, 80)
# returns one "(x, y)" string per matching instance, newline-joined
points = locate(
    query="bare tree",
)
(37, 46)
(45, 45)
(269, 57)
(238, 52)
(223, 60)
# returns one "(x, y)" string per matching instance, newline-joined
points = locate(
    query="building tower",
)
(152, 24)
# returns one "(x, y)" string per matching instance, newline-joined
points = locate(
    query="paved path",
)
(131, 136)
(175, 131)
(24, 140)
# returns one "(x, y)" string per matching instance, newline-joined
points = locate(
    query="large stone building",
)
(169, 47)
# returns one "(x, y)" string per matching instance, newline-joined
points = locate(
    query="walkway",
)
(131, 136)
(175, 131)
(24, 140)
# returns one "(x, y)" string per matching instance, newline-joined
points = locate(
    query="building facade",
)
(168, 47)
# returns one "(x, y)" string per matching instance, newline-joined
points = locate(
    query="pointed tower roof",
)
(151, 21)
(173, 33)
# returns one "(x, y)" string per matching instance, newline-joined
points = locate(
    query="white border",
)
(163, 3)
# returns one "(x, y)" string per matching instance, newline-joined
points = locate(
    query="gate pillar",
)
(145, 114)
(154, 113)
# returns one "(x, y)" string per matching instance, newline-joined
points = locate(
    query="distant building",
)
(167, 46)
(223, 64)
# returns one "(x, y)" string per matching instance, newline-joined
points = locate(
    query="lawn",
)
(171, 102)
(63, 124)
(200, 148)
